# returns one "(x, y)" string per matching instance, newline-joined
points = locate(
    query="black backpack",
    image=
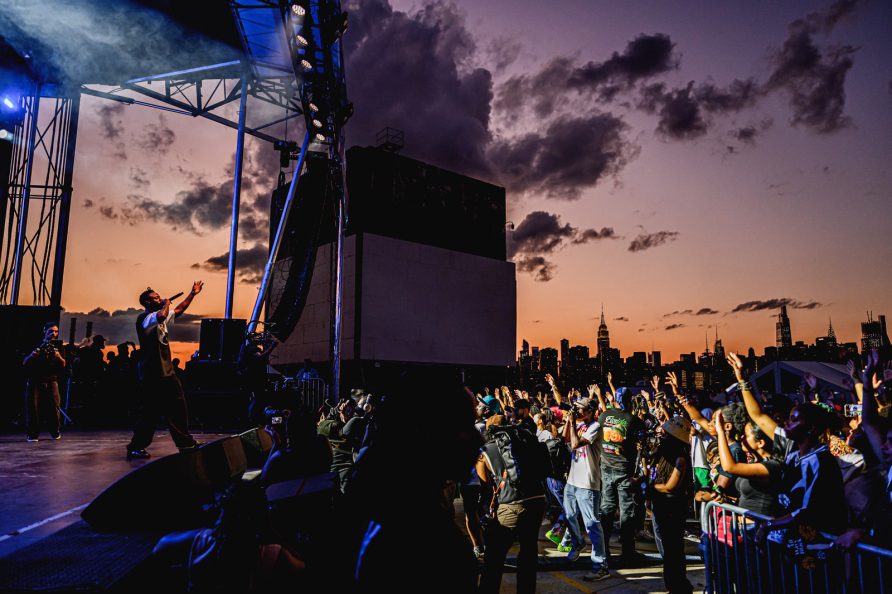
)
(524, 459)
(559, 457)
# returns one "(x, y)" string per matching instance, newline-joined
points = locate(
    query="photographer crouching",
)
(42, 368)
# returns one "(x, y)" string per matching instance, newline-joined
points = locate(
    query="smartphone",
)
(852, 410)
(277, 420)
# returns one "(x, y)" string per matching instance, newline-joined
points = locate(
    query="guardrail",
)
(735, 565)
(313, 392)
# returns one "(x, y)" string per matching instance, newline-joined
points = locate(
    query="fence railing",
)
(313, 392)
(735, 565)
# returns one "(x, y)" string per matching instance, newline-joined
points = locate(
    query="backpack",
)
(524, 459)
(559, 458)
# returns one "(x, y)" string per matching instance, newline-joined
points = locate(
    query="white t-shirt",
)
(543, 435)
(699, 442)
(585, 462)
(155, 318)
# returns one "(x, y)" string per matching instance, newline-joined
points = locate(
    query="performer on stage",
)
(161, 391)
(42, 367)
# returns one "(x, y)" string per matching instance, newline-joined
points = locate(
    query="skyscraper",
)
(872, 333)
(831, 335)
(784, 335)
(603, 344)
(718, 350)
(565, 352)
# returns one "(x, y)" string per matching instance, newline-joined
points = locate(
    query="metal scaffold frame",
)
(33, 243)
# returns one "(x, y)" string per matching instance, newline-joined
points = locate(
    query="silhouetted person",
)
(162, 391)
(42, 368)
(307, 372)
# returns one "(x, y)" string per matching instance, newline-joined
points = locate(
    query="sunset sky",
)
(712, 158)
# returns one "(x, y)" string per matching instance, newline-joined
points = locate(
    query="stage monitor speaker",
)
(221, 339)
(168, 493)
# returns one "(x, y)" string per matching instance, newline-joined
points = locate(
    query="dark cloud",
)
(685, 312)
(706, 311)
(645, 241)
(502, 52)
(542, 233)
(571, 154)
(110, 124)
(250, 263)
(541, 269)
(644, 57)
(120, 325)
(108, 212)
(157, 137)
(87, 203)
(814, 77)
(775, 304)
(139, 178)
(674, 326)
(621, 319)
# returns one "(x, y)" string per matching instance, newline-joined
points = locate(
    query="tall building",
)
(548, 361)
(872, 333)
(603, 343)
(525, 347)
(784, 335)
(565, 353)
(831, 335)
(656, 360)
(719, 349)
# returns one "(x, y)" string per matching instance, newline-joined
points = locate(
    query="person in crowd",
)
(522, 415)
(161, 390)
(43, 366)
(305, 453)
(620, 431)
(582, 493)
(510, 465)
(670, 468)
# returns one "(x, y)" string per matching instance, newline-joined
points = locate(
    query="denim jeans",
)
(556, 490)
(585, 503)
(617, 491)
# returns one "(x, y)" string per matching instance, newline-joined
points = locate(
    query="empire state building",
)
(603, 342)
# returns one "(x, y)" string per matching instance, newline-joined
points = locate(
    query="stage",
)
(45, 485)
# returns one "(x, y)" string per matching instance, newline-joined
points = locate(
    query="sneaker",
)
(574, 554)
(138, 455)
(564, 548)
(57, 436)
(194, 446)
(32, 439)
(596, 576)
(478, 553)
(555, 538)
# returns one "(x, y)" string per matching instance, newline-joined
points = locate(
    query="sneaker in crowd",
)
(596, 576)
(57, 436)
(574, 554)
(138, 455)
(32, 439)
(553, 536)
(564, 548)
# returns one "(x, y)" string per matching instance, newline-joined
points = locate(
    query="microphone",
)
(177, 296)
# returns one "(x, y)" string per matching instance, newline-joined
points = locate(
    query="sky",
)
(691, 166)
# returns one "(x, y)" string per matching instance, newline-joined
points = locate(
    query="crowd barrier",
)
(314, 391)
(735, 565)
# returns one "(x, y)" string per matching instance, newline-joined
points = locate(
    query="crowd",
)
(639, 458)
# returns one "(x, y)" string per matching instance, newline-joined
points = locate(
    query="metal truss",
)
(34, 241)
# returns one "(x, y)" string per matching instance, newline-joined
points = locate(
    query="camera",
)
(48, 348)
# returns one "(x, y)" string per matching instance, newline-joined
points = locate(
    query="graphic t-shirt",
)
(585, 463)
(619, 429)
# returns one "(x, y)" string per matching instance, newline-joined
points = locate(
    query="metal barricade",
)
(735, 565)
(314, 392)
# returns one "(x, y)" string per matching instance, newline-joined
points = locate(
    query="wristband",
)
(744, 385)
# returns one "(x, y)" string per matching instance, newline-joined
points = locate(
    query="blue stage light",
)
(299, 10)
(9, 103)
(5, 134)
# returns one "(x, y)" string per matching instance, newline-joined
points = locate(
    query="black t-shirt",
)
(618, 438)
(760, 495)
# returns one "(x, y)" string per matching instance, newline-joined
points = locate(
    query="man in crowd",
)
(42, 368)
(161, 390)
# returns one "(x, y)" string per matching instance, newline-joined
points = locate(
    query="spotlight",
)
(302, 41)
(298, 10)
(320, 137)
(305, 64)
(317, 123)
(9, 103)
(5, 134)
(313, 107)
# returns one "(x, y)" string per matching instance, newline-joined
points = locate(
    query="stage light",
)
(298, 10)
(5, 134)
(9, 103)
(305, 64)
(302, 41)
(317, 123)
(320, 137)
(313, 107)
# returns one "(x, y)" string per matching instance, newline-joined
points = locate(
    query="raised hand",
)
(609, 377)
(655, 382)
(672, 379)
(736, 365)
(549, 379)
(197, 286)
(873, 361)
(811, 380)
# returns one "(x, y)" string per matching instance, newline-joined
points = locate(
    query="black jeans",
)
(669, 518)
(42, 402)
(513, 522)
(617, 491)
(162, 397)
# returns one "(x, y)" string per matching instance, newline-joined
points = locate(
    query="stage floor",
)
(45, 485)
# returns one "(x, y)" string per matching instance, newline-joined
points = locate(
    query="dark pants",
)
(162, 397)
(513, 522)
(42, 402)
(617, 491)
(669, 518)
